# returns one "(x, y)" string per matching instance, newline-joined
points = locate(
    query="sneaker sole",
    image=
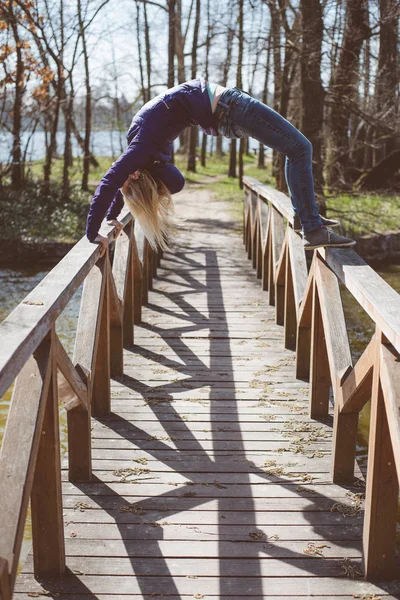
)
(344, 245)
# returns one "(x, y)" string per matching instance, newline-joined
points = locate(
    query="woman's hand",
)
(118, 226)
(103, 243)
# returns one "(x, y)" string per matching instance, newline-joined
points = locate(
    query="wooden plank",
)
(319, 373)
(234, 533)
(339, 359)
(19, 450)
(390, 382)
(303, 349)
(280, 284)
(78, 388)
(46, 497)
(378, 299)
(137, 282)
(357, 385)
(382, 492)
(290, 319)
(5, 591)
(101, 402)
(298, 267)
(220, 585)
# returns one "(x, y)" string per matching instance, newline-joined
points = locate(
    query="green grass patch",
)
(366, 214)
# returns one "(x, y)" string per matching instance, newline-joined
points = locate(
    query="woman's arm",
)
(136, 156)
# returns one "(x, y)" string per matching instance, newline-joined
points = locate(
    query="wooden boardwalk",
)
(210, 481)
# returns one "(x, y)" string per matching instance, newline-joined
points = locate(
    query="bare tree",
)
(342, 91)
(191, 165)
(312, 105)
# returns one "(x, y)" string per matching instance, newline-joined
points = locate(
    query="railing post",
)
(303, 347)
(46, 495)
(122, 271)
(382, 491)
(290, 318)
(320, 381)
(137, 284)
(101, 394)
(5, 591)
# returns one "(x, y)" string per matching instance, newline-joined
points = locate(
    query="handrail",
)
(32, 353)
(309, 306)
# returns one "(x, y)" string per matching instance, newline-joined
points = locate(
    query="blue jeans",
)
(239, 115)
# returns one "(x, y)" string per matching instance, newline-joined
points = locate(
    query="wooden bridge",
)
(214, 464)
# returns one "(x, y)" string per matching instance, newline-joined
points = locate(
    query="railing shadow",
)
(143, 512)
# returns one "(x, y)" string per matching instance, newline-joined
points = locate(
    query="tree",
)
(191, 165)
(342, 91)
(312, 104)
(387, 77)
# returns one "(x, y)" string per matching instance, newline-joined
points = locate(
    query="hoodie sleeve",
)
(116, 206)
(136, 156)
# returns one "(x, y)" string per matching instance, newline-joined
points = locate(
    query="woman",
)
(144, 180)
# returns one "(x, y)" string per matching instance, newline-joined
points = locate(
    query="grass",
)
(366, 214)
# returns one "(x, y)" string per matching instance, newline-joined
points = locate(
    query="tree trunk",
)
(140, 54)
(239, 84)
(171, 43)
(17, 169)
(88, 102)
(386, 86)
(232, 160)
(312, 105)
(148, 52)
(276, 45)
(343, 87)
(264, 99)
(191, 166)
(208, 44)
(226, 65)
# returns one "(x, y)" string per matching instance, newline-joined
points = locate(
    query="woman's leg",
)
(255, 119)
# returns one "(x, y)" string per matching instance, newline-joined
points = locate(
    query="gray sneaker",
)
(325, 221)
(325, 237)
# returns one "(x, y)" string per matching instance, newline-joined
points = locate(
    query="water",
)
(102, 143)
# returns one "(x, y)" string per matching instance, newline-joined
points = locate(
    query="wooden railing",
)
(308, 304)
(32, 353)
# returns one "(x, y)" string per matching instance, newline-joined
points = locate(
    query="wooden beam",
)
(290, 313)
(46, 495)
(357, 386)
(298, 267)
(319, 374)
(19, 450)
(5, 591)
(137, 283)
(280, 280)
(334, 324)
(382, 492)
(303, 349)
(79, 395)
(122, 272)
(380, 301)
(390, 382)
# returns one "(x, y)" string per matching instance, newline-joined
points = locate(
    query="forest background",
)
(74, 69)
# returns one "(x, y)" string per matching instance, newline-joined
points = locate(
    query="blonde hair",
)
(151, 204)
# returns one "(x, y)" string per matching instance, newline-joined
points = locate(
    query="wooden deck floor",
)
(210, 480)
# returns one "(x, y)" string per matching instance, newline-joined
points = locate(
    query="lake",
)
(103, 143)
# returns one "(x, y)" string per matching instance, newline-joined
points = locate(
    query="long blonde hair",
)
(151, 204)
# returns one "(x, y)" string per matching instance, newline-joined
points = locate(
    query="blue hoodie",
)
(150, 137)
